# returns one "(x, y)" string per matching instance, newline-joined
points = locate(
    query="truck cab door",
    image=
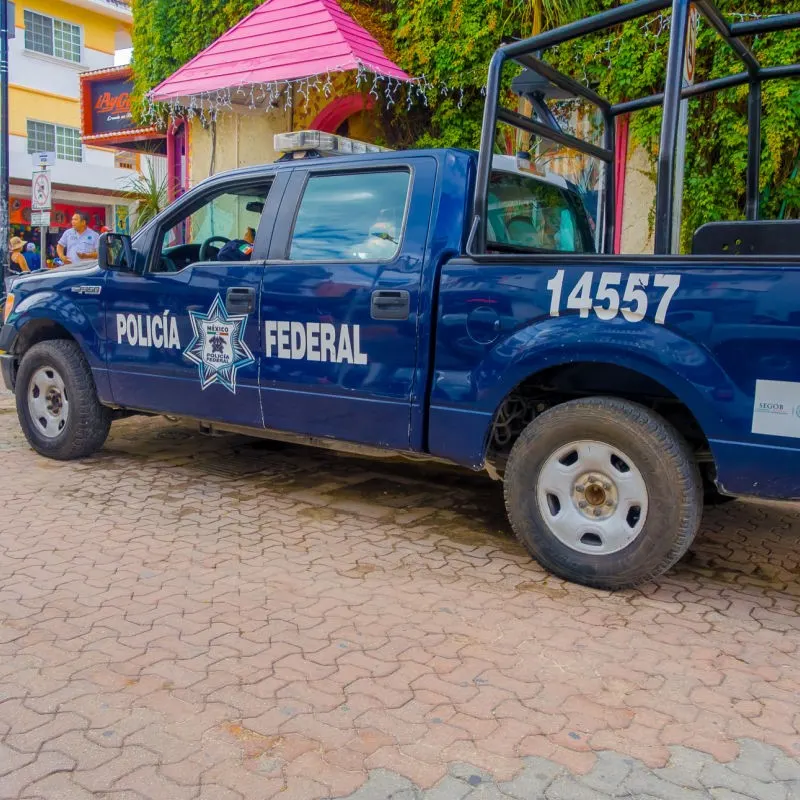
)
(183, 330)
(341, 298)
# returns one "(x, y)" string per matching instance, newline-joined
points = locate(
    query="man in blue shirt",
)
(78, 243)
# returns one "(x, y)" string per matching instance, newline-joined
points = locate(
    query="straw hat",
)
(15, 244)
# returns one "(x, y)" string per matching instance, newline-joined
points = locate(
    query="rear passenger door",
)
(340, 301)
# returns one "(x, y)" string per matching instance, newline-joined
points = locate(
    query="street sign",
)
(43, 158)
(690, 61)
(41, 191)
(40, 219)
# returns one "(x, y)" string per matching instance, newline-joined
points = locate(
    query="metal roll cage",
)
(527, 53)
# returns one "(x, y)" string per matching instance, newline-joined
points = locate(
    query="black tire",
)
(663, 460)
(87, 423)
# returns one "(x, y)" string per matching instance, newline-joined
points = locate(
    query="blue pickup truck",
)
(446, 305)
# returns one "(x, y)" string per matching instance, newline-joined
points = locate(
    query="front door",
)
(183, 334)
(341, 298)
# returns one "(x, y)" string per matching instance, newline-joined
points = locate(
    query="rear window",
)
(352, 217)
(528, 214)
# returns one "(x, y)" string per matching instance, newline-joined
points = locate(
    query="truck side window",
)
(354, 217)
(217, 228)
(529, 214)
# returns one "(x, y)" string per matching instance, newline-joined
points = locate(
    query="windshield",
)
(528, 214)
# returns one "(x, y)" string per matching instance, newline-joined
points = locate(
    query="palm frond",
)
(151, 193)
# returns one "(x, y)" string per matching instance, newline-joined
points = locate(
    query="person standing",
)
(78, 243)
(32, 257)
(17, 263)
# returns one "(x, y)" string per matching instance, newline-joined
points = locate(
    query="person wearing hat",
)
(32, 257)
(17, 261)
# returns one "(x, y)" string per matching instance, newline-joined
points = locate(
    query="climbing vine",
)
(450, 44)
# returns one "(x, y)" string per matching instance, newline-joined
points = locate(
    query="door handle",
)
(390, 304)
(240, 299)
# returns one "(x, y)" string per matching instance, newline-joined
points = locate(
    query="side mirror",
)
(115, 251)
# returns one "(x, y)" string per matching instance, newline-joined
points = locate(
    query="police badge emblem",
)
(218, 347)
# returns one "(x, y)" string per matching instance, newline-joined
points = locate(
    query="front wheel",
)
(57, 403)
(603, 492)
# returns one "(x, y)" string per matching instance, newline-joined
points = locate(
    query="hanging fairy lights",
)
(414, 92)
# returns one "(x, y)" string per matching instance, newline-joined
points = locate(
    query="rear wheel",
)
(603, 492)
(57, 403)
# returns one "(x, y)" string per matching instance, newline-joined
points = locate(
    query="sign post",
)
(42, 198)
(683, 125)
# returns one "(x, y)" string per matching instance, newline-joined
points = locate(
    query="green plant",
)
(150, 191)
(451, 42)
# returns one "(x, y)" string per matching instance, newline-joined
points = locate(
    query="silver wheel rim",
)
(48, 404)
(592, 497)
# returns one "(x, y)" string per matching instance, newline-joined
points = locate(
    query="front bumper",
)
(8, 362)
(8, 367)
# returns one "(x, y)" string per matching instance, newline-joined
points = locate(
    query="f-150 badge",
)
(218, 347)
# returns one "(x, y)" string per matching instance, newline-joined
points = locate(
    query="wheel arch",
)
(40, 329)
(556, 384)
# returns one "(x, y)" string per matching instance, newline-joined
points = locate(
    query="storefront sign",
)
(111, 105)
(20, 213)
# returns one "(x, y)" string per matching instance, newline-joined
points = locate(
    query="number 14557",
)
(609, 299)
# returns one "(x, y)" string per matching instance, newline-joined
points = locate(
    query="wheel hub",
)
(595, 495)
(48, 404)
(54, 402)
(592, 497)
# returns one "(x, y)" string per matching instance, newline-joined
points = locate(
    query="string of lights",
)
(283, 95)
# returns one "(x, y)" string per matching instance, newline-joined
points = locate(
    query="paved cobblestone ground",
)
(184, 617)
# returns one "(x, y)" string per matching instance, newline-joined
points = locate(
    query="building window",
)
(52, 37)
(64, 142)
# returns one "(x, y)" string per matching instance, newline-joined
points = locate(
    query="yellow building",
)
(56, 40)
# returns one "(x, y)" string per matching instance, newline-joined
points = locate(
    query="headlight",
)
(9, 306)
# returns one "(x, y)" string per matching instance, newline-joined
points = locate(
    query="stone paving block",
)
(13, 784)
(536, 776)
(59, 786)
(755, 760)
(785, 768)
(449, 788)
(722, 776)
(487, 791)
(566, 788)
(12, 760)
(609, 772)
(205, 583)
(684, 767)
(384, 785)
(644, 781)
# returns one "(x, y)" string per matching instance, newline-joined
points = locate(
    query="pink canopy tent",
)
(281, 40)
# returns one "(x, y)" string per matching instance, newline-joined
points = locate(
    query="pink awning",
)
(281, 40)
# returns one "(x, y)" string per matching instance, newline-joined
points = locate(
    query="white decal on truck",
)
(776, 410)
(148, 330)
(218, 347)
(605, 301)
(314, 341)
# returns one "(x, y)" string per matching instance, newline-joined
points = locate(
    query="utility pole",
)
(4, 172)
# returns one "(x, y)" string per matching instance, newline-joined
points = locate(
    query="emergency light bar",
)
(299, 143)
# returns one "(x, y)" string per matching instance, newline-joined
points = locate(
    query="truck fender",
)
(681, 366)
(51, 314)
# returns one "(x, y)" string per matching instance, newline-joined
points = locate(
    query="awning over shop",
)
(281, 40)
